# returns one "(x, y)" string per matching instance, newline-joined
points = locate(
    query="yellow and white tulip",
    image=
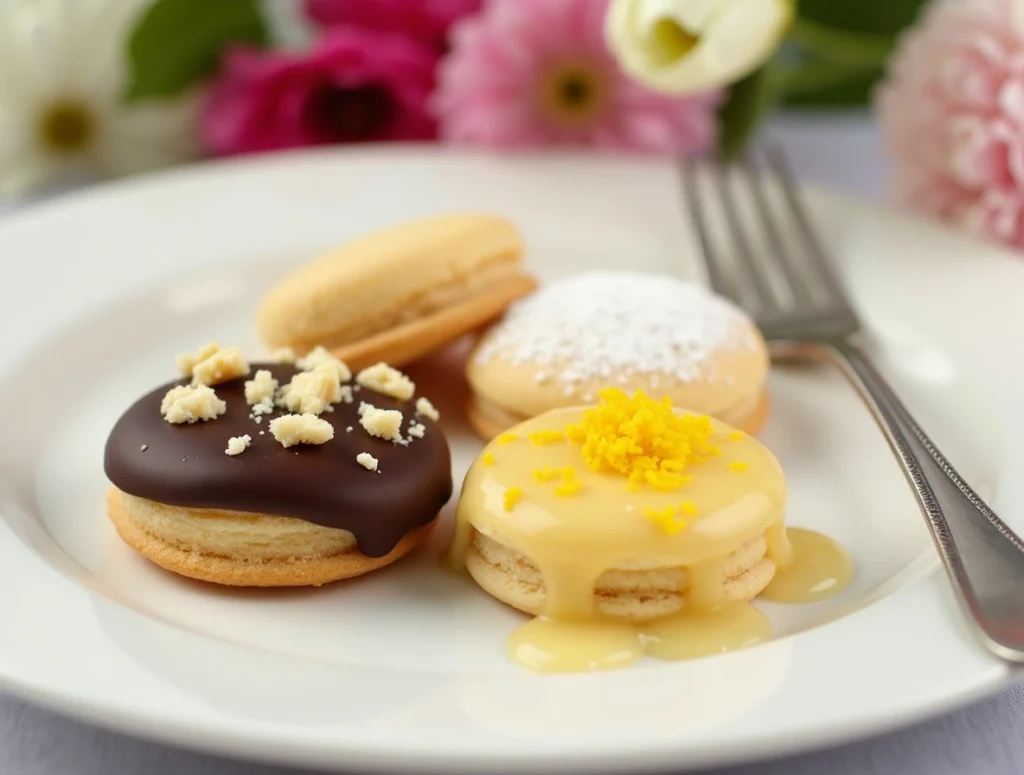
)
(681, 46)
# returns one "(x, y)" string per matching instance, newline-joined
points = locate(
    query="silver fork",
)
(798, 301)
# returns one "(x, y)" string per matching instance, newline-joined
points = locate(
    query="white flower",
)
(681, 46)
(62, 74)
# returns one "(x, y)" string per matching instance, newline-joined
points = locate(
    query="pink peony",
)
(952, 111)
(537, 72)
(356, 85)
(425, 20)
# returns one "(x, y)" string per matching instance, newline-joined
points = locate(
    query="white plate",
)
(405, 669)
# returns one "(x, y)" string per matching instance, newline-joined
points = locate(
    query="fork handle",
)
(983, 557)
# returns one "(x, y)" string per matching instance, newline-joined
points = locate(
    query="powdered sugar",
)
(605, 325)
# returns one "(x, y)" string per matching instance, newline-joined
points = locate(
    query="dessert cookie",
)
(277, 477)
(627, 527)
(400, 293)
(648, 535)
(562, 345)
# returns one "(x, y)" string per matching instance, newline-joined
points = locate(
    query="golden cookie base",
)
(226, 571)
(633, 595)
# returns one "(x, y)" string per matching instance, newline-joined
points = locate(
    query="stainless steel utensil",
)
(761, 250)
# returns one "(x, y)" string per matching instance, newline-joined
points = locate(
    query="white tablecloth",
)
(984, 739)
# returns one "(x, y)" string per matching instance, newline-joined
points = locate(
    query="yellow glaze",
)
(703, 492)
(559, 646)
(818, 568)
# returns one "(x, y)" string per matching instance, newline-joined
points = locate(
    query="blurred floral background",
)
(100, 88)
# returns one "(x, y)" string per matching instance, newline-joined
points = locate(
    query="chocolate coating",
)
(185, 465)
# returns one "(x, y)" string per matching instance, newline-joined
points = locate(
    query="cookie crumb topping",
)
(367, 461)
(264, 406)
(311, 392)
(188, 361)
(424, 407)
(315, 388)
(319, 356)
(382, 423)
(224, 365)
(238, 444)
(306, 428)
(191, 403)
(387, 380)
(260, 388)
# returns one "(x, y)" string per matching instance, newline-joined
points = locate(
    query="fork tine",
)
(819, 261)
(796, 280)
(712, 263)
(753, 270)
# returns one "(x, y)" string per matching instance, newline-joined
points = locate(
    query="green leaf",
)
(872, 17)
(178, 42)
(840, 49)
(860, 49)
(746, 104)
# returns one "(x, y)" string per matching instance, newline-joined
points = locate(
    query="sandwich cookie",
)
(631, 528)
(401, 293)
(277, 474)
(669, 338)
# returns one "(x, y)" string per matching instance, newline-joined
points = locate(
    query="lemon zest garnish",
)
(487, 459)
(667, 520)
(689, 508)
(736, 436)
(545, 474)
(663, 480)
(541, 438)
(568, 474)
(507, 438)
(570, 487)
(511, 497)
(642, 439)
(738, 465)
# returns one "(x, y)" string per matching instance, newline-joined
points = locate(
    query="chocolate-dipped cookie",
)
(278, 474)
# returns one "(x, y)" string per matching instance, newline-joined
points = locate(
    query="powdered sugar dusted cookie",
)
(667, 337)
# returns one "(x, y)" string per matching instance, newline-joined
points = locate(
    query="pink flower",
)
(356, 85)
(425, 20)
(952, 111)
(537, 72)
